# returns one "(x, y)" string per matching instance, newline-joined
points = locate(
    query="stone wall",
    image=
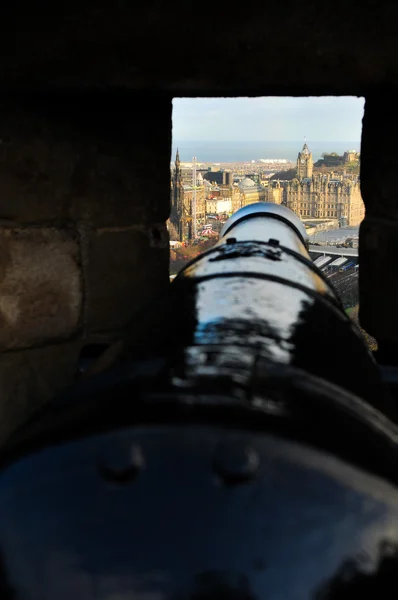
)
(286, 48)
(378, 241)
(83, 242)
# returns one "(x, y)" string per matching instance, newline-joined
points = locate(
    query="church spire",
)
(177, 163)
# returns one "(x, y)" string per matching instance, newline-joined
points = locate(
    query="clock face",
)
(302, 161)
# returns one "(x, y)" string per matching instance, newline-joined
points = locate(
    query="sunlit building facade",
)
(324, 195)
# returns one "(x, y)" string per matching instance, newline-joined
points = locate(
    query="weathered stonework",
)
(40, 287)
(307, 48)
(84, 196)
(30, 378)
(126, 268)
(62, 160)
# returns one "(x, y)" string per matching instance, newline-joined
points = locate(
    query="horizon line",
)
(264, 140)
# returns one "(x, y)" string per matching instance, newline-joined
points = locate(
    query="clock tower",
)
(304, 163)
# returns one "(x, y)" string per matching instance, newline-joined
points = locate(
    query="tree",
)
(285, 175)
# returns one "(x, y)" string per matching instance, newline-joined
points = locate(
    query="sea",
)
(224, 152)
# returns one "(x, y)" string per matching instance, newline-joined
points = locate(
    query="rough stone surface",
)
(30, 378)
(378, 279)
(307, 47)
(85, 158)
(378, 248)
(126, 269)
(40, 287)
(84, 194)
(379, 156)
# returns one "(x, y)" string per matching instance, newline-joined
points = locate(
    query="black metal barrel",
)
(259, 293)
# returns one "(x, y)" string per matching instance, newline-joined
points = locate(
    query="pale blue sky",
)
(327, 118)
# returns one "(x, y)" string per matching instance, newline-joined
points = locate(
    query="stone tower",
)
(176, 211)
(304, 163)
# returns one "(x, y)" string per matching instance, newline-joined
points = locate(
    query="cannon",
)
(242, 446)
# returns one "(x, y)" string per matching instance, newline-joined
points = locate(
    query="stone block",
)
(125, 269)
(31, 378)
(40, 287)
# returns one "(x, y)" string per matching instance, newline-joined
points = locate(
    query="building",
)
(351, 156)
(251, 192)
(305, 163)
(219, 206)
(188, 192)
(176, 198)
(274, 192)
(182, 203)
(246, 192)
(321, 197)
(219, 177)
(186, 175)
(237, 198)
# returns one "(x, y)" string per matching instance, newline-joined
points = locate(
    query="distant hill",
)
(285, 175)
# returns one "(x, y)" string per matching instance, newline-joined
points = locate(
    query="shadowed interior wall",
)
(378, 250)
(84, 196)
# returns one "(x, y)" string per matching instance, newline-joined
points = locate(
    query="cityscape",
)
(324, 193)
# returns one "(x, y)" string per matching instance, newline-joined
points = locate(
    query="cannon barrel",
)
(258, 294)
(242, 449)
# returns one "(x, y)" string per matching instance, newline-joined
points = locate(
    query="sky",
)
(326, 118)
